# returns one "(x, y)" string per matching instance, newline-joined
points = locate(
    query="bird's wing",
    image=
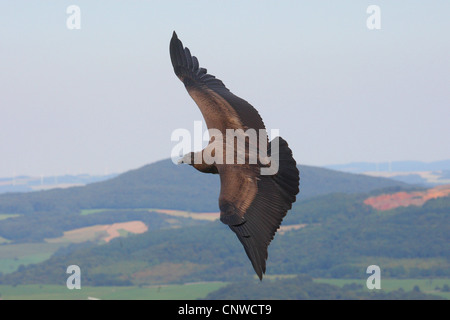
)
(254, 205)
(251, 204)
(221, 109)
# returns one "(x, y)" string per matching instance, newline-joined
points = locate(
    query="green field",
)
(190, 291)
(425, 285)
(14, 255)
(164, 292)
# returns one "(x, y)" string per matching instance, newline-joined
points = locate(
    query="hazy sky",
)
(105, 98)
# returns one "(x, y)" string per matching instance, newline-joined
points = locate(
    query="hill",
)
(332, 231)
(33, 183)
(165, 185)
(394, 166)
(414, 172)
(341, 236)
(35, 216)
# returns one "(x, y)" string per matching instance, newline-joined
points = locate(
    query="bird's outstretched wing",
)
(251, 204)
(221, 109)
(254, 205)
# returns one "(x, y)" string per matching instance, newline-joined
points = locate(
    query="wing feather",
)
(261, 220)
(210, 93)
(251, 204)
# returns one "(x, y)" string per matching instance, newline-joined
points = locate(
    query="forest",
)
(302, 287)
(336, 243)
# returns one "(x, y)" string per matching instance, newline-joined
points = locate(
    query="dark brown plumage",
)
(251, 204)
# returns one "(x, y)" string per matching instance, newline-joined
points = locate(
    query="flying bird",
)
(252, 203)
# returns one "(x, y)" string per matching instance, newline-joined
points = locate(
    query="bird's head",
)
(188, 158)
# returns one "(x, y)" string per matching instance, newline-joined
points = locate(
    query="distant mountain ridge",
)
(393, 166)
(165, 185)
(426, 174)
(160, 185)
(25, 183)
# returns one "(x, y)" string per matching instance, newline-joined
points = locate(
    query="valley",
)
(114, 232)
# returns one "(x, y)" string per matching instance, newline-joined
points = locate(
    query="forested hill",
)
(165, 185)
(338, 238)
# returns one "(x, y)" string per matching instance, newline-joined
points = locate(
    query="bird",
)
(252, 202)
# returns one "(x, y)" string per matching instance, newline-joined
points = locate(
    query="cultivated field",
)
(164, 292)
(14, 255)
(189, 291)
(105, 232)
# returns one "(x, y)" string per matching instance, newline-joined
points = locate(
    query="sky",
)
(104, 99)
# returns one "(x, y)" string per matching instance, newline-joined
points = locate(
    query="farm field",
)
(14, 255)
(190, 291)
(100, 232)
